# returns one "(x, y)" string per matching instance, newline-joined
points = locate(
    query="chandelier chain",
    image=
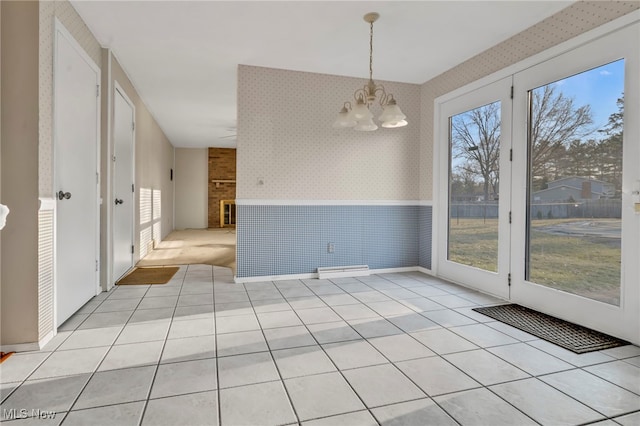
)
(371, 51)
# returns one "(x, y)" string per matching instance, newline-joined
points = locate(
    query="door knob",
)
(119, 201)
(64, 195)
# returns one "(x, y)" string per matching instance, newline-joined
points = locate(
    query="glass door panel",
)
(474, 169)
(575, 183)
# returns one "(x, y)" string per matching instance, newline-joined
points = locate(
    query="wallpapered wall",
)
(285, 137)
(564, 25)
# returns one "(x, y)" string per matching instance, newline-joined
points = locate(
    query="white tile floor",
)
(400, 349)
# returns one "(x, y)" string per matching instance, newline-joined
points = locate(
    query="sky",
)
(599, 87)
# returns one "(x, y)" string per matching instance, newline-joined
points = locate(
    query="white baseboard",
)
(394, 270)
(274, 278)
(315, 275)
(20, 347)
(28, 347)
(426, 271)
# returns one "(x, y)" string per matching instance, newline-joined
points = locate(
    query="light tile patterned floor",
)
(401, 349)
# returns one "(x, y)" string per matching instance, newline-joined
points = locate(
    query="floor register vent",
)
(343, 271)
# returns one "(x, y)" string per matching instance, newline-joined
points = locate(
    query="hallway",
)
(215, 247)
(402, 348)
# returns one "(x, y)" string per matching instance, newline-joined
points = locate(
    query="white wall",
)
(191, 190)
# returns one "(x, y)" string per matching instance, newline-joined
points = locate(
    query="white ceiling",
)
(182, 56)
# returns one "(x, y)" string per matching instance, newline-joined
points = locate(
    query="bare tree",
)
(555, 122)
(476, 139)
(557, 125)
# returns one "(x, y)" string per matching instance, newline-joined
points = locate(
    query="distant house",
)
(575, 188)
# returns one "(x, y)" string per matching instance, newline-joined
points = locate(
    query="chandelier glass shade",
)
(357, 115)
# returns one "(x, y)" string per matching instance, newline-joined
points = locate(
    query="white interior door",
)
(76, 136)
(123, 203)
(576, 203)
(475, 175)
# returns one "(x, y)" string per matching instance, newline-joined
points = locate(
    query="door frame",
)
(60, 30)
(112, 177)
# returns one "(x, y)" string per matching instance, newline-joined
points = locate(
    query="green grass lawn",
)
(580, 265)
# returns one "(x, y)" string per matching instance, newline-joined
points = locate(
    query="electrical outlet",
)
(330, 248)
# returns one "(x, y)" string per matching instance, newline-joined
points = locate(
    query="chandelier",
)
(358, 116)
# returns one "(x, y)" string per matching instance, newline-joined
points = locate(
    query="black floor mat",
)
(570, 336)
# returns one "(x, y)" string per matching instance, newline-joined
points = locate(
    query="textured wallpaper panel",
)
(285, 137)
(425, 235)
(576, 19)
(66, 14)
(283, 240)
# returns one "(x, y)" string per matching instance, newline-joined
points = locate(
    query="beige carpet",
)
(192, 246)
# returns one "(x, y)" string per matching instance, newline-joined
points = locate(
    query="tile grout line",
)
(215, 333)
(95, 371)
(286, 391)
(164, 344)
(21, 382)
(482, 386)
(325, 352)
(398, 369)
(332, 307)
(441, 357)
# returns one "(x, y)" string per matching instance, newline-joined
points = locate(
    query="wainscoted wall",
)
(425, 239)
(356, 190)
(293, 239)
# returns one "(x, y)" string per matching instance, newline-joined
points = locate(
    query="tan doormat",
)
(160, 275)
